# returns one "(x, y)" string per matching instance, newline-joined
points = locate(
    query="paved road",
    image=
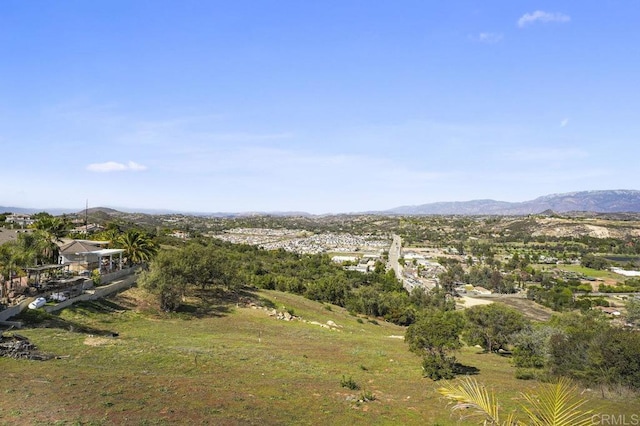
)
(395, 252)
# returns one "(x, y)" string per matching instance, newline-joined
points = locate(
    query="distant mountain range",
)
(610, 201)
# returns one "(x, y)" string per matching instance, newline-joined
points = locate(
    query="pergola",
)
(106, 259)
(46, 270)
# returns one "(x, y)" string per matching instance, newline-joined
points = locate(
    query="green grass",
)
(595, 273)
(232, 365)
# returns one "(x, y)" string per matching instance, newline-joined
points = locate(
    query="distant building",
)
(22, 220)
(89, 228)
(342, 259)
(180, 234)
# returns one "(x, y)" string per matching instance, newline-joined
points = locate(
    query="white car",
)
(38, 303)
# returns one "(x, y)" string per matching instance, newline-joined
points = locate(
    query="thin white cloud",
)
(564, 122)
(488, 38)
(112, 166)
(542, 16)
(546, 154)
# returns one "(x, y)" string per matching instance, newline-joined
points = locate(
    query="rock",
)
(19, 347)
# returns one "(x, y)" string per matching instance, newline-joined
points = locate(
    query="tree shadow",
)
(218, 302)
(41, 319)
(466, 370)
(203, 310)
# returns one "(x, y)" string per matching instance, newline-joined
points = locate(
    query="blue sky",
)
(319, 106)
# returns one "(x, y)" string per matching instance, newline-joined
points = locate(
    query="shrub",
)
(525, 374)
(367, 396)
(438, 367)
(349, 383)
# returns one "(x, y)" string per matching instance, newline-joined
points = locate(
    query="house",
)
(608, 310)
(481, 291)
(180, 234)
(86, 255)
(7, 235)
(89, 228)
(22, 220)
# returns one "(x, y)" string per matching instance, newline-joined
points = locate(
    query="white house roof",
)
(103, 252)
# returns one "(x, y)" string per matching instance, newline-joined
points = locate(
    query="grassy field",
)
(227, 364)
(607, 277)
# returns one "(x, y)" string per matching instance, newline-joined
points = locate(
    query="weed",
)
(360, 321)
(328, 308)
(367, 396)
(363, 368)
(349, 383)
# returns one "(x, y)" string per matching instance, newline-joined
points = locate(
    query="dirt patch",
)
(468, 302)
(528, 308)
(98, 341)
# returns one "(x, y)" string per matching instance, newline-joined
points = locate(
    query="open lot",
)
(228, 364)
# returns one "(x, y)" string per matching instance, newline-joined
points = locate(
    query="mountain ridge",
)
(595, 201)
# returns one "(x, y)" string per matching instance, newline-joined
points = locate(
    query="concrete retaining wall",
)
(93, 294)
(15, 310)
(96, 293)
(113, 276)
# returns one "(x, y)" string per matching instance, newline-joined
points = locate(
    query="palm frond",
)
(468, 394)
(557, 405)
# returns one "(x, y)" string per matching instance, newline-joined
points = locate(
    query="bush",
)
(525, 374)
(438, 367)
(95, 277)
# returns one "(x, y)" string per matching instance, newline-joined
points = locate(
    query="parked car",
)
(38, 303)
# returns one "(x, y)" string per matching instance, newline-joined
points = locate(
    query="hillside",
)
(233, 363)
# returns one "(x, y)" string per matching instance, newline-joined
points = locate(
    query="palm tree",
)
(38, 247)
(554, 405)
(12, 258)
(138, 246)
(55, 227)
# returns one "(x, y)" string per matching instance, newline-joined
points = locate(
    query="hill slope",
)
(229, 363)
